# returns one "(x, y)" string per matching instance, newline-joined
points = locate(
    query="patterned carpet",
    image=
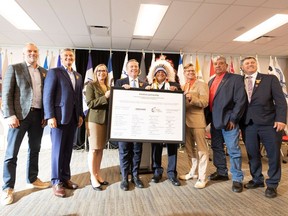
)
(155, 199)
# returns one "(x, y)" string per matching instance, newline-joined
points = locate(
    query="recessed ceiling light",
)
(264, 27)
(149, 18)
(14, 14)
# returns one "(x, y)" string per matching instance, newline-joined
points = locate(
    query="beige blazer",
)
(195, 117)
(97, 103)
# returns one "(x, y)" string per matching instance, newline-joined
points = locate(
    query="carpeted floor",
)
(155, 199)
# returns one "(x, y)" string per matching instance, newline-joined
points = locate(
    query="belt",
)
(34, 109)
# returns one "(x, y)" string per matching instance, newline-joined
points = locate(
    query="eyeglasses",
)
(190, 71)
(103, 71)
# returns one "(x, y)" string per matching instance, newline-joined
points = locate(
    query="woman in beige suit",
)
(97, 99)
(197, 95)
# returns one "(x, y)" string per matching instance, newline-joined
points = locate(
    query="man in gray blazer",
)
(22, 110)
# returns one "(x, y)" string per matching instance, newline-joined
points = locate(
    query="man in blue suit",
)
(22, 110)
(227, 100)
(263, 121)
(130, 152)
(63, 109)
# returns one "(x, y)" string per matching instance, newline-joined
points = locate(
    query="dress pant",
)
(62, 145)
(130, 158)
(197, 151)
(253, 134)
(32, 125)
(157, 149)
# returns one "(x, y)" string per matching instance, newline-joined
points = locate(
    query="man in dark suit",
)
(227, 100)
(263, 121)
(162, 76)
(63, 109)
(22, 110)
(130, 152)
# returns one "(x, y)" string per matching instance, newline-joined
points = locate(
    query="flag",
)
(153, 59)
(231, 65)
(212, 69)
(241, 71)
(52, 61)
(180, 71)
(143, 72)
(110, 70)
(271, 68)
(124, 73)
(88, 78)
(198, 70)
(281, 78)
(89, 70)
(59, 61)
(46, 62)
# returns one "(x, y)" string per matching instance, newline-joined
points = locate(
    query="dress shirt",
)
(136, 82)
(72, 77)
(213, 88)
(36, 86)
(253, 78)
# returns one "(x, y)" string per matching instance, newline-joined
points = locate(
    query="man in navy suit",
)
(22, 110)
(63, 109)
(130, 152)
(162, 76)
(263, 121)
(227, 100)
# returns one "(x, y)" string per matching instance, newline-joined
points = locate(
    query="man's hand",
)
(279, 126)
(230, 126)
(12, 121)
(126, 86)
(52, 123)
(80, 121)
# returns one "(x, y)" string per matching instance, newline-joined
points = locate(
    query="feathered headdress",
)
(160, 65)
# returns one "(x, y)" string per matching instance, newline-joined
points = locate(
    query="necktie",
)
(249, 87)
(133, 83)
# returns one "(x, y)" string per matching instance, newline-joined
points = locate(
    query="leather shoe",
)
(252, 185)
(59, 190)
(99, 188)
(124, 185)
(216, 177)
(70, 185)
(104, 183)
(156, 178)
(237, 186)
(138, 183)
(175, 181)
(270, 192)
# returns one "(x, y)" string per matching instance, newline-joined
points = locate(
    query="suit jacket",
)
(60, 99)
(97, 103)
(195, 117)
(17, 93)
(267, 103)
(121, 82)
(229, 101)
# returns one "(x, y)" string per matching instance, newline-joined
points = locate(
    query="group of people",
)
(253, 104)
(31, 99)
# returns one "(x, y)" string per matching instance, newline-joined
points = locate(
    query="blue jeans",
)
(32, 125)
(231, 139)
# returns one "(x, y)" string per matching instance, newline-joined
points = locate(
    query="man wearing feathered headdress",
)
(162, 76)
